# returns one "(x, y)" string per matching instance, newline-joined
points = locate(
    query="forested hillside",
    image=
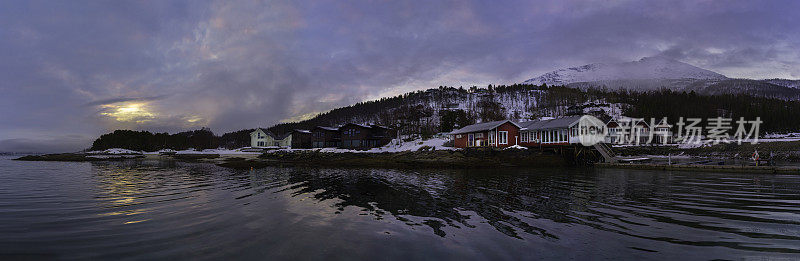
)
(446, 108)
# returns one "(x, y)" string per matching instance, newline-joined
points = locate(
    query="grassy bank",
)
(787, 151)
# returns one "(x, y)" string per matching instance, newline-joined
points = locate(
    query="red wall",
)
(513, 136)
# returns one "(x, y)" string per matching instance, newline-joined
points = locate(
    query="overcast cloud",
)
(72, 70)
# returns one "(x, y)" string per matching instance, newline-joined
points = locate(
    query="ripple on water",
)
(155, 209)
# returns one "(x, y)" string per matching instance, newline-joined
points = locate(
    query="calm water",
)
(173, 210)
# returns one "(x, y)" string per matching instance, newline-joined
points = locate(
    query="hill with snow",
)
(648, 68)
(785, 83)
(653, 73)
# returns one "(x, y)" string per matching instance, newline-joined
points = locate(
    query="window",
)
(503, 137)
(458, 136)
(524, 137)
(479, 135)
(470, 140)
(491, 138)
(261, 144)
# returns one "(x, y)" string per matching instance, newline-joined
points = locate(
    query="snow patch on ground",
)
(220, 151)
(114, 151)
(393, 146)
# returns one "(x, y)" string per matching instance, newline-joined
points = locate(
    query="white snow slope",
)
(657, 67)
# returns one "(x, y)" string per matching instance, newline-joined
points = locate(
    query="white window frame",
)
(524, 137)
(502, 137)
(479, 135)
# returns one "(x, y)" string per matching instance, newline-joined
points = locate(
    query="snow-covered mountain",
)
(653, 73)
(648, 68)
(785, 83)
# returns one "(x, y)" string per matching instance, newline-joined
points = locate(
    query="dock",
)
(706, 168)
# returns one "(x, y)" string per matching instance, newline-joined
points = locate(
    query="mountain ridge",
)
(658, 72)
(657, 67)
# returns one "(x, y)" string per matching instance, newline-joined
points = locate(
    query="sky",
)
(72, 70)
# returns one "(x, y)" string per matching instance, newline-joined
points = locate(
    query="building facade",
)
(349, 136)
(506, 133)
(500, 134)
(358, 136)
(262, 138)
(325, 137)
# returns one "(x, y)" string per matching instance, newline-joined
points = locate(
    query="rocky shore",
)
(471, 158)
(78, 157)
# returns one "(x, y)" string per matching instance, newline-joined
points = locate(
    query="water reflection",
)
(737, 211)
(166, 209)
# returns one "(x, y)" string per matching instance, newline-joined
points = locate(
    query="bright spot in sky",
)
(131, 112)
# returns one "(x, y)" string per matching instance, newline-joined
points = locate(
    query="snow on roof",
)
(482, 126)
(360, 125)
(327, 128)
(558, 123)
(302, 131)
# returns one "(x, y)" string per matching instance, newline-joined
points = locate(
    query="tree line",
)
(146, 141)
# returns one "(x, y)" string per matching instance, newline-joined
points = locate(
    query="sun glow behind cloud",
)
(129, 112)
(146, 115)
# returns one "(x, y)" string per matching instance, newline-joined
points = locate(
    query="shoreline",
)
(788, 151)
(479, 158)
(472, 158)
(467, 158)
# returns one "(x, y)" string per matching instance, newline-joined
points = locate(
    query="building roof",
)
(302, 131)
(558, 123)
(327, 128)
(284, 136)
(359, 125)
(482, 126)
(267, 132)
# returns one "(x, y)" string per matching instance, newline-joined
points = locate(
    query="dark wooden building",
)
(301, 139)
(357, 136)
(325, 137)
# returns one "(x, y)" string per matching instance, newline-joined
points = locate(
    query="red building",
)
(501, 134)
(552, 132)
